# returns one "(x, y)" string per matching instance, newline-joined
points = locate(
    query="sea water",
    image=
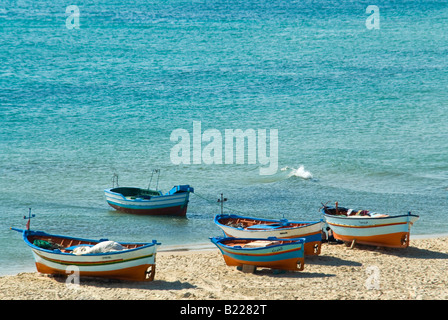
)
(360, 107)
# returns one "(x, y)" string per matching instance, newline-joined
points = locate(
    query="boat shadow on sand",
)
(316, 260)
(307, 273)
(409, 252)
(331, 261)
(291, 274)
(122, 284)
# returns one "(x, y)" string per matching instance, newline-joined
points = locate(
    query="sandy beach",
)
(338, 273)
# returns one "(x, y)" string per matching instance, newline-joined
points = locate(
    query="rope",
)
(214, 202)
(196, 194)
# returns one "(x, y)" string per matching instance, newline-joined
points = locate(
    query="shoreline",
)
(201, 246)
(338, 273)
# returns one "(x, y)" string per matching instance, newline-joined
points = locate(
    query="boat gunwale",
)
(290, 241)
(367, 218)
(109, 191)
(296, 224)
(152, 199)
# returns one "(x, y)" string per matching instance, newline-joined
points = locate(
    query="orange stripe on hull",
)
(138, 273)
(368, 226)
(287, 264)
(393, 240)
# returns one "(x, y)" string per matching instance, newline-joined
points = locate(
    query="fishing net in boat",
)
(102, 247)
(45, 244)
(260, 244)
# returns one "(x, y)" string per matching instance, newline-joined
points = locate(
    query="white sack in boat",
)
(102, 247)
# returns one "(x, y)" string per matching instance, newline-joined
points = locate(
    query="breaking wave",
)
(299, 172)
(282, 174)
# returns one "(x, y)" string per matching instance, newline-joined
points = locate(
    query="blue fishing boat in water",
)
(149, 201)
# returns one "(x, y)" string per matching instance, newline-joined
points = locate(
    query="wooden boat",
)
(274, 253)
(53, 254)
(365, 227)
(249, 227)
(149, 202)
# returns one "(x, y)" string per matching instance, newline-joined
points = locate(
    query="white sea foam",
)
(299, 172)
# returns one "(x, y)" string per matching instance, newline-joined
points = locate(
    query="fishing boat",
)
(249, 227)
(371, 228)
(274, 253)
(149, 201)
(62, 255)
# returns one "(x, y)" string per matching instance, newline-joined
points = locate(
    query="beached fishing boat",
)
(274, 253)
(63, 255)
(250, 227)
(366, 227)
(149, 201)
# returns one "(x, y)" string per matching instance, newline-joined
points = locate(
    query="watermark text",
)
(190, 150)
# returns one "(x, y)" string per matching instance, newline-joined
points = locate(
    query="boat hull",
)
(310, 231)
(391, 231)
(136, 264)
(168, 211)
(169, 204)
(289, 255)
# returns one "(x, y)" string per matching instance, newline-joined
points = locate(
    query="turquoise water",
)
(361, 114)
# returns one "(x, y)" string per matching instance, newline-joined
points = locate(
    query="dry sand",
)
(338, 273)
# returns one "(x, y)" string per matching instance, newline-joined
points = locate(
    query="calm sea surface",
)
(361, 114)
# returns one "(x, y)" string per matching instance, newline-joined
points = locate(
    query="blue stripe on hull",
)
(271, 258)
(149, 207)
(313, 237)
(276, 255)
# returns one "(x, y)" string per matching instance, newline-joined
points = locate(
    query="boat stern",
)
(180, 189)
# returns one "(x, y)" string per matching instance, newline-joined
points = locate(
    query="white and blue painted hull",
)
(249, 227)
(285, 254)
(173, 203)
(380, 230)
(136, 262)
